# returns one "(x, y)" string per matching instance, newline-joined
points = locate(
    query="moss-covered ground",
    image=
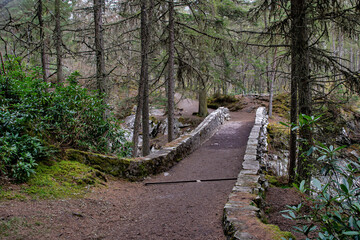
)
(278, 234)
(63, 179)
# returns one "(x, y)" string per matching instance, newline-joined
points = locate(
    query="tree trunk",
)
(273, 76)
(136, 133)
(268, 82)
(171, 81)
(300, 78)
(145, 40)
(44, 59)
(341, 47)
(143, 90)
(226, 72)
(58, 42)
(203, 111)
(99, 47)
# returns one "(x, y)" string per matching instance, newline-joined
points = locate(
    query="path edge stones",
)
(241, 216)
(136, 169)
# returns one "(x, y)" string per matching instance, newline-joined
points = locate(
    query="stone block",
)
(242, 189)
(249, 171)
(245, 180)
(250, 157)
(256, 128)
(240, 235)
(254, 134)
(247, 165)
(251, 150)
(233, 205)
(252, 141)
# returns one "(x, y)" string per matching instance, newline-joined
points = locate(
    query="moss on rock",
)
(278, 136)
(278, 234)
(281, 105)
(108, 164)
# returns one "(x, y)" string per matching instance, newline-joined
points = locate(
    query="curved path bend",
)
(126, 211)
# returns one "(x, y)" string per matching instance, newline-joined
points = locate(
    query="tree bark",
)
(145, 40)
(58, 42)
(271, 89)
(300, 79)
(226, 72)
(143, 90)
(203, 111)
(171, 81)
(136, 133)
(99, 47)
(44, 58)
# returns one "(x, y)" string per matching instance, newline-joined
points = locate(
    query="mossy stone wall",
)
(157, 162)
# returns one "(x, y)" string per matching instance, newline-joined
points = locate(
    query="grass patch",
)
(10, 225)
(11, 195)
(277, 181)
(13, 228)
(64, 179)
(278, 234)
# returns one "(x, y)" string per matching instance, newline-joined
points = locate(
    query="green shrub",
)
(33, 116)
(335, 202)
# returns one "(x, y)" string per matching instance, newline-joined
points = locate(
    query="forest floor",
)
(131, 210)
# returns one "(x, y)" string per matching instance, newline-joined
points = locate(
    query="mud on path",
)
(126, 210)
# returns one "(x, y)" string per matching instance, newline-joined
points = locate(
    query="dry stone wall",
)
(157, 162)
(242, 212)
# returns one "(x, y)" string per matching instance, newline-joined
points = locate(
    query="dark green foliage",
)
(33, 116)
(335, 209)
(18, 154)
(230, 9)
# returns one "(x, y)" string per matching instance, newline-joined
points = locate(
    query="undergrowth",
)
(34, 115)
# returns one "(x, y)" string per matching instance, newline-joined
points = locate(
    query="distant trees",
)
(26, 30)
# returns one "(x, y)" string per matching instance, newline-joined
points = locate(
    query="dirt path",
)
(127, 210)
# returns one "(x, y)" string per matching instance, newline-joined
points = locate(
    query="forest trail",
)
(126, 210)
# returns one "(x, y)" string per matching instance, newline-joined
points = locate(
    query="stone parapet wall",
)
(157, 162)
(241, 212)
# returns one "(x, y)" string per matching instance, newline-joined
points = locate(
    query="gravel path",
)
(127, 210)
